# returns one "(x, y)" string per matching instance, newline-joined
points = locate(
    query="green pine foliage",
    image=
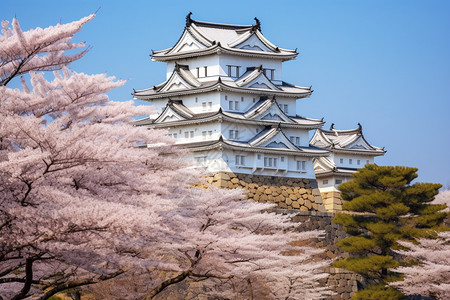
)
(383, 207)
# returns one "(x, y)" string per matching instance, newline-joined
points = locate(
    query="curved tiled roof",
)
(186, 116)
(247, 83)
(209, 38)
(245, 146)
(345, 141)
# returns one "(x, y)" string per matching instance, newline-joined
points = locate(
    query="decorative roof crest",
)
(188, 19)
(257, 26)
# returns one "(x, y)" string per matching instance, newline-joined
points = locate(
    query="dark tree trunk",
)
(28, 280)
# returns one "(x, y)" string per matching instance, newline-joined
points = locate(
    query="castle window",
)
(233, 71)
(236, 105)
(350, 161)
(259, 156)
(282, 159)
(285, 108)
(204, 135)
(240, 160)
(367, 162)
(206, 71)
(242, 99)
(301, 165)
(200, 159)
(270, 162)
(210, 105)
(341, 160)
(198, 72)
(230, 105)
(358, 162)
(325, 181)
(188, 134)
(295, 140)
(204, 106)
(269, 73)
(338, 181)
(233, 134)
(254, 100)
(196, 99)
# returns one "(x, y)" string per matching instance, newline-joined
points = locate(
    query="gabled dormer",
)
(174, 111)
(272, 138)
(180, 79)
(267, 109)
(254, 77)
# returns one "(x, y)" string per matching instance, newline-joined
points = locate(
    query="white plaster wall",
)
(214, 163)
(246, 62)
(246, 101)
(346, 160)
(158, 105)
(210, 61)
(303, 134)
(197, 129)
(194, 102)
(332, 181)
(245, 131)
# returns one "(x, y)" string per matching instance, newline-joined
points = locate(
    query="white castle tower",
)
(349, 151)
(224, 99)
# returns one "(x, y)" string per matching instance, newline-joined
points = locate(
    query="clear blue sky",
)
(382, 63)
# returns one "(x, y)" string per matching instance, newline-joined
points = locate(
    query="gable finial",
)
(257, 25)
(188, 19)
(332, 126)
(359, 127)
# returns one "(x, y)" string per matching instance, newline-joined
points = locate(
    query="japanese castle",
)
(224, 99)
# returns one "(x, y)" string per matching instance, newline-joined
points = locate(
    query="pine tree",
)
(384, 208)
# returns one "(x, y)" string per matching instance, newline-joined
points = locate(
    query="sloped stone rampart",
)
(297, 194)
(301, 198)
(342, 282)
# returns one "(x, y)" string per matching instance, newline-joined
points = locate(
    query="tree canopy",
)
(383, 207)
(88, 197)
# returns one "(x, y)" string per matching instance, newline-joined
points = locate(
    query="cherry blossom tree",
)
(88, 197)
(431, 276)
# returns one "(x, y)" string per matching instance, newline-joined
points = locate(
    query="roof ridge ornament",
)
(188, 19)
(332, 126)
(257, 25)
(359, 127)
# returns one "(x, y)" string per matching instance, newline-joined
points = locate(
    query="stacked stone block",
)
(332, 201)
(290, 193)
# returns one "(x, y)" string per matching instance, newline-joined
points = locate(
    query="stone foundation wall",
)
(301, 198)
(342, 282)
(290, 193)
(332, 201)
